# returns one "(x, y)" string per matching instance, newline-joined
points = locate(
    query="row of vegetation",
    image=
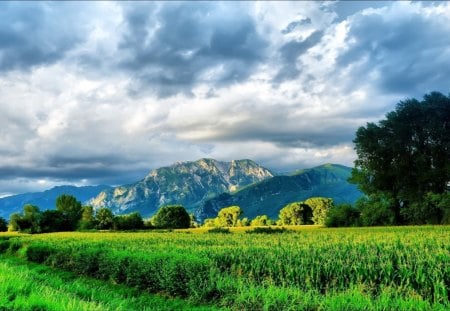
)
(69, 215)
(401, 268)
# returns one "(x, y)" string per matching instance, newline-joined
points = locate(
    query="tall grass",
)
(316, 268)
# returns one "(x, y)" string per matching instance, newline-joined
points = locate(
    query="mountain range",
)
(46, 199)
(269, 196)
(203, 187)
(187, 183)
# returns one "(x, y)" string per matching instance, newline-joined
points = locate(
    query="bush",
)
(38, 253)
(343, 215)
(219, 230)
(267, 230)
(376, 210)
(4, 245)
(173, 273)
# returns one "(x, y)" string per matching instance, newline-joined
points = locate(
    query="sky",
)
(103, 92)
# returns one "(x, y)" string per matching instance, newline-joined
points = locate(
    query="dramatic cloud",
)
(101, 93)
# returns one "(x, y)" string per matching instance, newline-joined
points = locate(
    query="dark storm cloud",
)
(407, 54)
(290, 52)
(172, 48)
(37, 33)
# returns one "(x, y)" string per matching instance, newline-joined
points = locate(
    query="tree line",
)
(70, 215)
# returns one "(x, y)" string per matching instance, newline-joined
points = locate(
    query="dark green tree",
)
(131, 221)
(172, 217)
(29, 221)
(70, 207)
(343, 215)
(104, 218)
(406, 155)
(3, 225)
(53, 221)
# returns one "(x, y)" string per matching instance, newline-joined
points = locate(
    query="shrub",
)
(267, 230)
(219, 230)
(38, 253)
(343, 215)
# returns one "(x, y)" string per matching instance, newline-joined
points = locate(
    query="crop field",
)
(313, 268)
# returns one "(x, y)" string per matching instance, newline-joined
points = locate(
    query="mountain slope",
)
(269, 196)
(186, 183)
(46, 199)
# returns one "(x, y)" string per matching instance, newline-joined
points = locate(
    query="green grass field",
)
(305, 268)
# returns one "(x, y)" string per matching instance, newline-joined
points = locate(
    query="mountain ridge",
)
(188, 183)
(203, 187)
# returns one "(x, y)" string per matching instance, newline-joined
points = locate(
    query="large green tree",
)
(406, 155)
(71, 209)
(172, 217)
(104, 218)
(29, 221)
(320, 208)
(3, 225)
(229, 216)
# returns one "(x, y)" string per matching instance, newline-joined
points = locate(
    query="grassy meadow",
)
(302, 268)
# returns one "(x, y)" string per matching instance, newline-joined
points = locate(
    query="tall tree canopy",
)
(71, 210)
(172, 217)
(406, 155)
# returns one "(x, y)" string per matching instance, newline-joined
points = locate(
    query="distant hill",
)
(46, 199)
(186, 183)
(269, 196)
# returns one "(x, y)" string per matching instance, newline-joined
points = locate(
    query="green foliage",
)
(209, 222)
(28, 286)
(228, 216)
(53, 221)
(243, 222)
(376, 210)
(104, 218)
(402, 268)
(343, 215)
(3, 225)
(28, 222)
(320, 208)
(267, 230)
(87, 220)
(434, 208)
(405, 156)
(261, 220)
(172, 217)
(131, 221)
(71, 210)
(13, 224)
(296, 213)
(219, 230)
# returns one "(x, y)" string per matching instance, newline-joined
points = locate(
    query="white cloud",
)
(118, 103)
